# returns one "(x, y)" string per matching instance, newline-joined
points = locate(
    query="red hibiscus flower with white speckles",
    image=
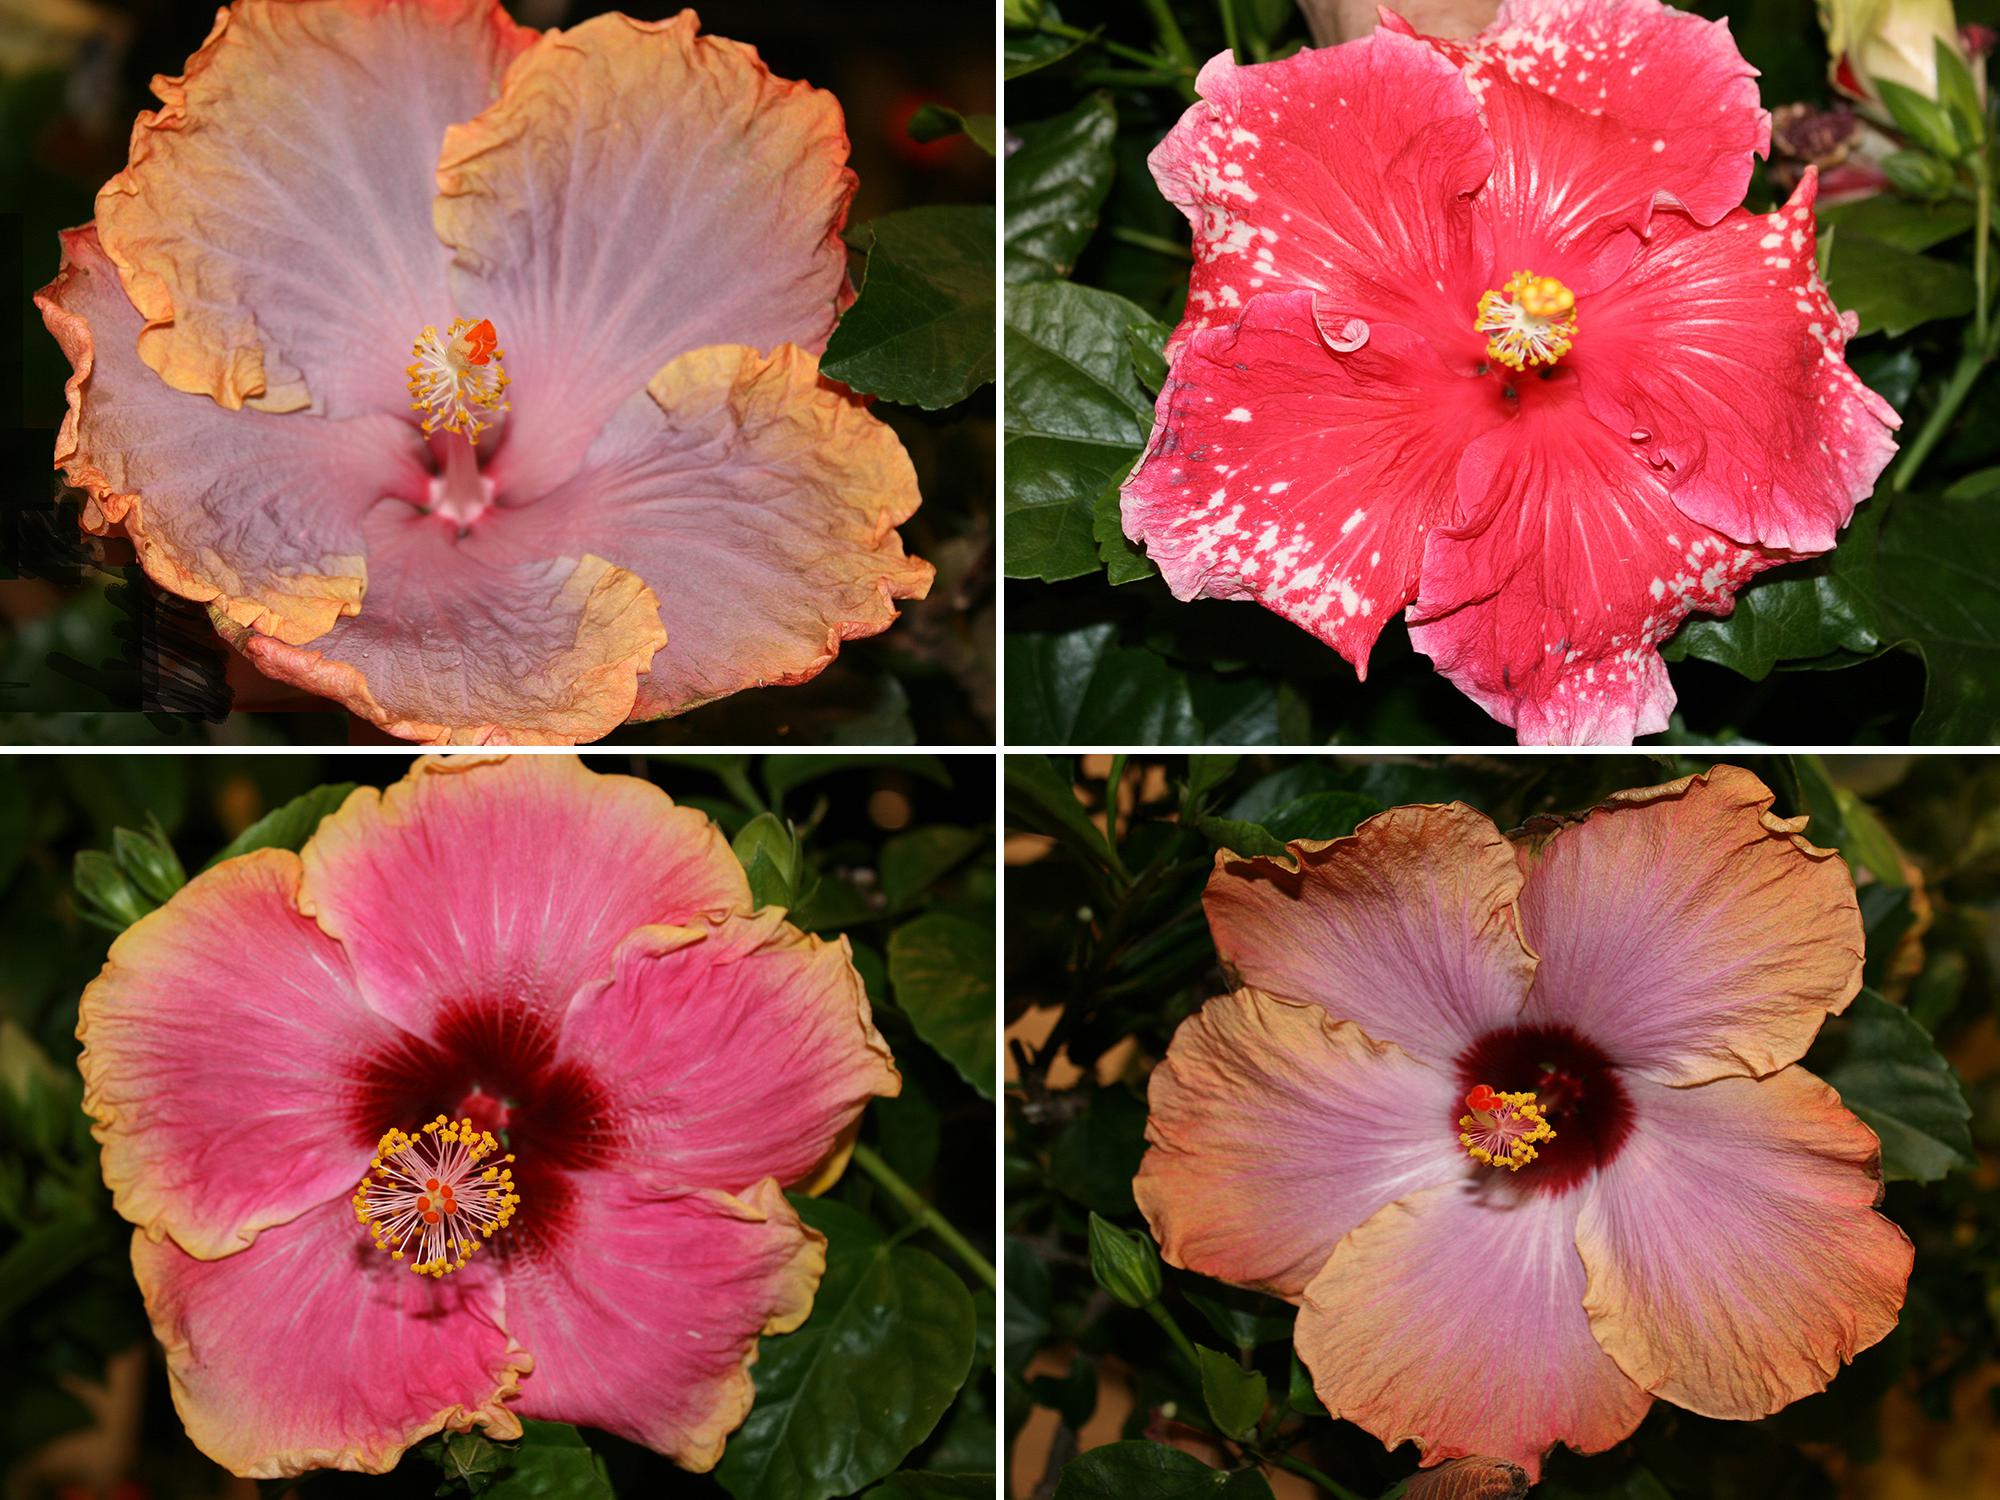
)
(1477, 329)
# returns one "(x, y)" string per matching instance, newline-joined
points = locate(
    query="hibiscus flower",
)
(478, 1107)
(469, 376)
(1518, 1122)
(1476, 328)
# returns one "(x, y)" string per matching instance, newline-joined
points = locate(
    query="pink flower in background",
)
(469, 376)
(493, 950)
(1518, 1125)
(1476, 329)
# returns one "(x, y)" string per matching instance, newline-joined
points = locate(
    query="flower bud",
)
(1124, 1263)
(1872, 41)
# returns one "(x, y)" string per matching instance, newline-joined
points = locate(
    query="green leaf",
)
(1153, 1471)
(1235, 1396)
(843, 1400)
(1302, 1398)
(784, 773)
(941, 969)
(1940, 580)
(1097, 1155)
(920, 1484)
(1924, 121)
(1057, 179)
(1975, 486)
(1888, 1071)
(911, 862)
(287, 827)
(768, 849)
(933, 122)
(921, 332)
(1958, 94)
(1025, 52)
(552, 1462)
(149, 861)
(104, 895)
(44, 1253)
(1024, 1313)
(1245, 1319)
(1083, 687)
(1122, 559)
(1893, 290)
(1899, 222)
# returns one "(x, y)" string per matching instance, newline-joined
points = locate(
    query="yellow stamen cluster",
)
(1531, 321)
(1503, 1133)
(429, 1189)
(456, 376)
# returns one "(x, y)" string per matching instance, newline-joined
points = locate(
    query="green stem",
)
(1157, 243)
(1305, 1470)
(1152, 60)
(1963, 378)
(1175, 41)
(912, 1203)
(1229, 37)
(1181, 1341)
(1134, 78)
(1982, 170)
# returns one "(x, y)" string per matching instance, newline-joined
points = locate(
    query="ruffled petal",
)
(1689, 933)
(312, 1349)
(1547, 604)
(1734, 1254)
(462, 641)
(759, 504)
(1343, 171)
(258, 516)
(274, 223)
(1301, 473)
(731, 1050)
(683, 197)
(1723, 346)
(1455, 1319)
(217, 1047)
(646, 1322)
(1406, 928)
(1274, 1130)
(507, 881)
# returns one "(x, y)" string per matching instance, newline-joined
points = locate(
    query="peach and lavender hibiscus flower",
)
(1477, 328)
(621, 490)
(530, 1006)
(1517, 1122)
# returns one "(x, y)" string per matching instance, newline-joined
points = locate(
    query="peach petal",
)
(1687, 931)
(1274, 1130)
(1454, 1319)
(1735, 1258)
(1406, 928)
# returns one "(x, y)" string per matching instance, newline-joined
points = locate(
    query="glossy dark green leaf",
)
(1056, 181)
(1234, 1396)
(149, 862)
(1302, 1398)
(1083, 687)
(1095, 1158)
(1153, 1471)
(1122, 558)
(1889, 1072)
(941, 971)
(287, 827)
(551, 1462)
(933, 122)
(768, 849)
(910, 862)
(1939, 565)
(1893, 290)
(921, 332)
(1025, 1308)
(1025, 52)
(923, 1484)
(1244, 1319)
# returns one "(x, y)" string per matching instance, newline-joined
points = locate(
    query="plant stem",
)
(1174, 41)
(912, 1203)
(1181, 1341)
(1982, 172)
(1153, 60)
(1159, 244)
(1305, 1470)
(1963, 378)
(1229, 37)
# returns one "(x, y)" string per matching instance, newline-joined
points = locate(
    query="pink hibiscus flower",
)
(606, 481)
(1517, 1122)
(512, 948)
(1476, 328)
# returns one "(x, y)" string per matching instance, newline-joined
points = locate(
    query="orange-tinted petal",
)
(1688, 932)
(1735, 1257)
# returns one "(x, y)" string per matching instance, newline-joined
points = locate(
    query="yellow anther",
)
(1530, 321)
(1502, 1129)
(428, 1192)
(456, 376)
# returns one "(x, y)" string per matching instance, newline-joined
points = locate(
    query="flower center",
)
(456, 376)
(1529, 321)
(1502, 1129)
(427, 1193)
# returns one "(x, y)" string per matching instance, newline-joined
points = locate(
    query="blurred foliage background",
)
(896, 852)
(1893, 638)
(1107, 952)
(91, 652)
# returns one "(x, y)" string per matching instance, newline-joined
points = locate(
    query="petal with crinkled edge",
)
(1305, 477)
(683, 197)
(760, 505)
(1454, 1319)
(1343, 171)
(274, 222)
(1273, 1130)
(1405, 928)
(1547, 604)
(463, 641)
(1687, 932)
(507, 880)
(1469, 1479)
(731, 1050)
(1722, 346)
(218, 1041)
(1735, 1257)
(645, 1323)
(258, 516)
(313, 1349)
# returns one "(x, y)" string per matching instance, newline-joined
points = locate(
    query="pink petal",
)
(1285, 471)
(760, 506)
(217, 1048)
(1688, 932)
(1454, 1319)
(1547, 603)
(682, 197)
(1345, 171)
(1723, 345)
(731, 1050)
(274, 225)
(506, 882)
(646, 1324)
(312, 1349)
(217, 502)
(1406, 928)
(1734, 1254)
(1275, 1130)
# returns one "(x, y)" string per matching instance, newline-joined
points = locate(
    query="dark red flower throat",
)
(1576, 1089)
